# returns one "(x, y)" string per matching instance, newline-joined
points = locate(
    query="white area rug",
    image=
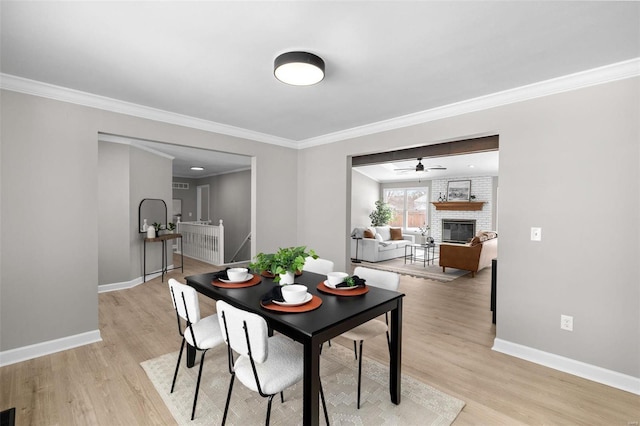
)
(420, 404)
(416, 269)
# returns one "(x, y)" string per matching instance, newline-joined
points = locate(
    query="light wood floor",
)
(447, 343)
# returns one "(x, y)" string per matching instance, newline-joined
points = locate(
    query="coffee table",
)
(428, 253)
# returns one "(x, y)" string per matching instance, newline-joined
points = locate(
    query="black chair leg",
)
(355, 349)
(282, 397)
(175, 375)
(195, 397)
(269, 409)
(359, 373)
(226, 406)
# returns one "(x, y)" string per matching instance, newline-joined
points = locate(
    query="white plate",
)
(307, 299)
(331, 286)
(246, 278)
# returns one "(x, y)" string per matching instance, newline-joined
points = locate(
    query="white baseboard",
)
(103, 288)
(25, 353)
(577, 368)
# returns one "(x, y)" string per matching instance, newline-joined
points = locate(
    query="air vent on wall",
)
(180, 185)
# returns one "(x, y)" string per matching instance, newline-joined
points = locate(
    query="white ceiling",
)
(385, 61)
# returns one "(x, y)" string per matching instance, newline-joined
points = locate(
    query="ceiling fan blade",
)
(406, 169)
(435, 168)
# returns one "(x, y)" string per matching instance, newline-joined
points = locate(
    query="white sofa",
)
(381, 246)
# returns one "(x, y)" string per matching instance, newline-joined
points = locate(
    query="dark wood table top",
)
(336, 314)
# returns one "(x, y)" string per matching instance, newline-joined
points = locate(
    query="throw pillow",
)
(379, 238)
(396, 233)
(384, 231)
(368, 234)
(474, 241)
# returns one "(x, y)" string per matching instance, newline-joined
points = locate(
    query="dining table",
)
(326, 316)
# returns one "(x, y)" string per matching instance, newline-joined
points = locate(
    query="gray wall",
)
(150, 177)
(49, 276)
(114, 242)
(569, 163)
(231, 202)
(126, 176)
(366, 192)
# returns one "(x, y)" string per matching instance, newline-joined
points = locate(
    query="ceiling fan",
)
(420, 167)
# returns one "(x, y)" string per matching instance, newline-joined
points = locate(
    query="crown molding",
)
(45, 90)
(601, 75)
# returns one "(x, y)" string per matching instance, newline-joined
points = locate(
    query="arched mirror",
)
(151, 210)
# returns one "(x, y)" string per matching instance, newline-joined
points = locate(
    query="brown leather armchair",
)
(468, 257)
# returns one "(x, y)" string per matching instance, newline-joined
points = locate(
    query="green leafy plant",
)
(350, 281)
(289, 259)
(156, 226)
(382, 215)
(171, 226)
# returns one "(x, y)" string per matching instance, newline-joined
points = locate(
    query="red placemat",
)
(356, 292)
(253, 281)
(314, 303)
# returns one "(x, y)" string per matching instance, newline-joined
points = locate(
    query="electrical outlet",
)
(566, 322)
(536, 234)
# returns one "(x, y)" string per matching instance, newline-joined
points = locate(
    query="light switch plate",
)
(536, 234)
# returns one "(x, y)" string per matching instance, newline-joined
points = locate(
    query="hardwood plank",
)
(447, 343)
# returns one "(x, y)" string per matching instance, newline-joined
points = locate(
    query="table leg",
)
(311, 385)
(395, 363)
(144, 261)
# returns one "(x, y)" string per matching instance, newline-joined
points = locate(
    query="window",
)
(409, 206)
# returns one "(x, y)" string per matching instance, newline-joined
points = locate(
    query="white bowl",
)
(294, 293)
(237, 274)
(335, 278)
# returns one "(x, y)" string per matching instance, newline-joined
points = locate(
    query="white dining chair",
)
(375, 278)
(266, 365)
(319, 265)
(201, 333)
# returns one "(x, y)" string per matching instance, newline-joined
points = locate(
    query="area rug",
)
(415, 269)
(420, 404)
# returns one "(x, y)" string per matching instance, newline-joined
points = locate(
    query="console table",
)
(161, 239)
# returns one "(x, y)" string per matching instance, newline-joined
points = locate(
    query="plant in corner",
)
(382, 215)
(289, 259)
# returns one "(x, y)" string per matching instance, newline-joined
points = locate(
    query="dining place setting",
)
(235, 278)
(291, 297)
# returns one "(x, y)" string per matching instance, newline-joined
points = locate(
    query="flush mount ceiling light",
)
(197, 168)
(299, 68)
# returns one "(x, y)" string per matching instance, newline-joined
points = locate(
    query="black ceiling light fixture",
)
(299, 68)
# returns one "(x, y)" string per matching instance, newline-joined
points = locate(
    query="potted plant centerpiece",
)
(284, 263)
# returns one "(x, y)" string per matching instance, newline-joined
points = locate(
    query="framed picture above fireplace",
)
(459, 190)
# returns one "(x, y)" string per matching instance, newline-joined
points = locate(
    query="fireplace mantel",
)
(459, 205)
